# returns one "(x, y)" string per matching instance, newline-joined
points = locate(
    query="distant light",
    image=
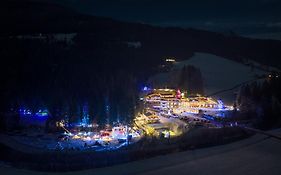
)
(145, 88)
(170, 60)
(42, 113)
(25, 112)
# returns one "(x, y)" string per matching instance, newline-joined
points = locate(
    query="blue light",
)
(85, 116)
(29, 113)
(220, 104)
(146, 88)
(209, 117)
(42, 113)
(25, 112)
(107, 107)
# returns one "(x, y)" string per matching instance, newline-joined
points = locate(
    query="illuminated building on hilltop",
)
(174, 100)
(163, 98)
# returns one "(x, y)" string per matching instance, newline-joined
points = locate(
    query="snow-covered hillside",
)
(68, 38)
(218, 74)
(272, 36)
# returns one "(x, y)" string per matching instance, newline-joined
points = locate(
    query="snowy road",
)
(257, 155)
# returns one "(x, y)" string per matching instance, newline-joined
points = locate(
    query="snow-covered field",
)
(218, 74)
(256, 155)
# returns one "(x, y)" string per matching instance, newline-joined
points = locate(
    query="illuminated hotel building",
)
(170, 99)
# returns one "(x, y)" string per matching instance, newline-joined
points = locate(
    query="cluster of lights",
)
(25, 112)
(107, 135)
(176, 102)
(39, 113)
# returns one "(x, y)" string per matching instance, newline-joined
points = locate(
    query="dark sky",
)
(199, 13)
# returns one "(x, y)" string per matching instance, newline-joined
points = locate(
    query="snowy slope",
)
(272, 36)
(257, 155)
(218, 73)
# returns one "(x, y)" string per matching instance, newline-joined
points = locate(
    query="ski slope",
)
(218, 73)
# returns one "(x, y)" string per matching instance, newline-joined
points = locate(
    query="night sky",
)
(241, 15)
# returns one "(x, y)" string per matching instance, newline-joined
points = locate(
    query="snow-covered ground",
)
(273, 36)
(31, 143)
(218, 74)
(256, 155)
